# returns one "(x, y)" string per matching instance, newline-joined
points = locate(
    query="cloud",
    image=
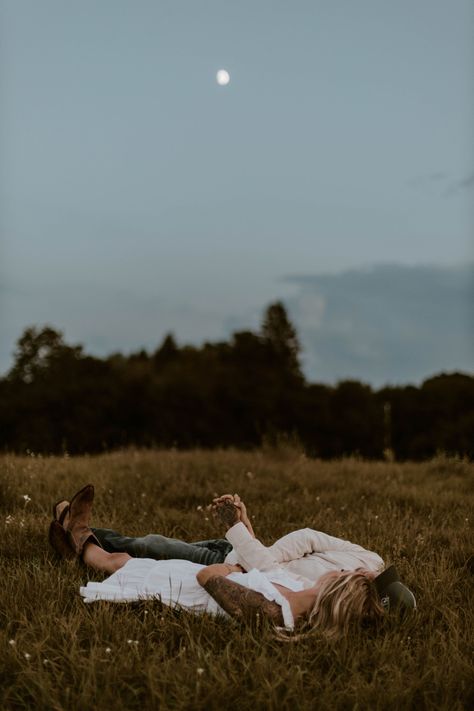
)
(428, 179)
(388, 323)
(460, 185)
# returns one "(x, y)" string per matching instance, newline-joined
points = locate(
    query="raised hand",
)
(227, 512)
(239, 504)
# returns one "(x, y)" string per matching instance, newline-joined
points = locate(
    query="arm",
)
(305, 541)
(240, 602)
(241, 510)
(243, 514)
(211, 571)
(251, 553)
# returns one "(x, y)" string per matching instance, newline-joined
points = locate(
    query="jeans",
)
(162, 548)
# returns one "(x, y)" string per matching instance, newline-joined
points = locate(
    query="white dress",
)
(174, 583)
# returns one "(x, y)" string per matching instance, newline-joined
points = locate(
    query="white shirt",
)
(306, 553)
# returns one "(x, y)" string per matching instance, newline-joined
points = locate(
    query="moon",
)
(223, 77)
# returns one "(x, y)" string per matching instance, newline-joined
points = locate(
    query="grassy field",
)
(57, 653)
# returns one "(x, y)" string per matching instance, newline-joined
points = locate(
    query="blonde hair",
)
(341, 602)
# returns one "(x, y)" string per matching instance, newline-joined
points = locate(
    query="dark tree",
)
(280, 334)
(38, 351)
(167, 352)
(235, 393)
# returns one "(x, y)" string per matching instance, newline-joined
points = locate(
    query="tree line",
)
(240, 392)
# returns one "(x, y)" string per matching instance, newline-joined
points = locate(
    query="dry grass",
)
(54, 649)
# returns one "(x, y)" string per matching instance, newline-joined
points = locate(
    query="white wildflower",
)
(27, 656)
(107, 650)
(11, 642)
(27, 498)
(198, 508)
(200, 670)
(45, 662)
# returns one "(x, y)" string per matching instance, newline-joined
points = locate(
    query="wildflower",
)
(27, 498)
(27, 656)
(198, 508)
(200, 670)
(11, 642)
(9, 519)
(107, 650)
(45, 662)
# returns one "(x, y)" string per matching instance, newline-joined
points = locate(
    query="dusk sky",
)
(334, 172)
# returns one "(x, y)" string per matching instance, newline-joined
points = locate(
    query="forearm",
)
(251, 553)
(218, 569)
(241, 603)
(248, 526)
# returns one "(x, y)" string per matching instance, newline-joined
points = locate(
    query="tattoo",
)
(227, 513)
(241, 603)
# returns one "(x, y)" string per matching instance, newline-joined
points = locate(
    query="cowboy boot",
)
(59, 541)
(61, 511)
(77, 526)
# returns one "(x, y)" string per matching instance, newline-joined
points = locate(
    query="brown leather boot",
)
(58, 540)
(77, 526)
(61, 511)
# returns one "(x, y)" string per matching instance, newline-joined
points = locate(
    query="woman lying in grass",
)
(331, 605)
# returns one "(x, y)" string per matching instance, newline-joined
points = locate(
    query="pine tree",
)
(280, 334)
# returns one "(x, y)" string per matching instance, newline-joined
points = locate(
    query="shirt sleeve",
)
(305, 541)
(251, 553)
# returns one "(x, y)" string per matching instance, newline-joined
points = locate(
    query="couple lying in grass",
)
(306, 579)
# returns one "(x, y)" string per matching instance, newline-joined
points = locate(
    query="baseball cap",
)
(393, 593)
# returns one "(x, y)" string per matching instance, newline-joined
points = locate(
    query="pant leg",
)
(216, 544)
(162, 548)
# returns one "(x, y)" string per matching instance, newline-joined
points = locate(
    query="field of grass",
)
(57, 653)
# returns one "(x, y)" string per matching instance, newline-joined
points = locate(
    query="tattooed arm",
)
(239, 602)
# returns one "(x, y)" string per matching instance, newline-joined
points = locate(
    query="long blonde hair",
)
(343, 600)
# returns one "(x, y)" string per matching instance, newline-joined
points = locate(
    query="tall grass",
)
(57, 653)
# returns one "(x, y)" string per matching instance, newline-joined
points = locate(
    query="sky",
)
(139, 197)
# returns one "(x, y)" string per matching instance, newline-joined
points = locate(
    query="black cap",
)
(393, 593)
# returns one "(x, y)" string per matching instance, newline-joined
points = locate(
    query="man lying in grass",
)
(337, 599)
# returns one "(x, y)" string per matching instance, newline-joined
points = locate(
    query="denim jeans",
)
(162, 548)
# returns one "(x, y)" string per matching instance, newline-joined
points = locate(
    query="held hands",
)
(226, 512)
(230, 509)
